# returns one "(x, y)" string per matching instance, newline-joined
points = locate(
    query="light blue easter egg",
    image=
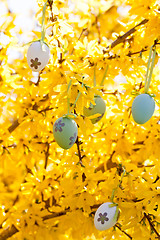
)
(143, 108)
(65, 132)
(99, 107)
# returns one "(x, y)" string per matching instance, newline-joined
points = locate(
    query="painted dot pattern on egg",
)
(35, 63)
(102, 218)
(59, 125)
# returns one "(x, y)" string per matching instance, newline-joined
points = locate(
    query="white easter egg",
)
(65, 132)
(38, 57)
(106, 216)
(143, 108)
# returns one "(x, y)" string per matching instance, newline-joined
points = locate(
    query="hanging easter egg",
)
(106, 216)
(65, 132)
(38, 56)
(143, 108)
(99, 107)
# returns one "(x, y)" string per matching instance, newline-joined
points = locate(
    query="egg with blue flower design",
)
(65, 132)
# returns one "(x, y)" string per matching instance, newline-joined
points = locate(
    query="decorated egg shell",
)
(106, 216)
(143, 108)
(37, 57)
(65, 132)
(99, 107)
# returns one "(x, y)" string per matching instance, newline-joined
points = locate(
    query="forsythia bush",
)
(97, 47)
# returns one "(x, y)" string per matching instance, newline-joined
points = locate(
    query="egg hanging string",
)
(104, 76)
(77, 98)
(43, 25)
(115, 189)
(42, 29)
(68, 99)
(148, 78)
(94, 76)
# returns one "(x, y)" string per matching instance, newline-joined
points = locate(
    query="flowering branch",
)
(124, 36)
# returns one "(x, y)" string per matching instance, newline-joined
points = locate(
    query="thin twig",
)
(123, 231)
(151, 224)
(138, 52)
(81, 34)
(46, 155)
(79, 152)
(45, 165)
(60, 60)
(83, 30)
(39, 78)
(55, 214)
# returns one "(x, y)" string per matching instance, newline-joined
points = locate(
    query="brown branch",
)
(13, 126)
(78, 143)
(83, 30)
(78, 148)
(151, 225)
(123, 231)
(46, 155)
(60, 60)
(81, 34)
(128, 55)
(38, 81)
(138, 52)
(45, 166)
(55, 214)
(8, 232)
(50, 2)
(45, 110)
(16, 123)
(124, 36)
(109, 164)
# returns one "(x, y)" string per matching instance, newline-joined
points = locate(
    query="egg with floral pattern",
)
(143, 108)
(38, 56)
(65, 132)
(106, 216)
(99, 107)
